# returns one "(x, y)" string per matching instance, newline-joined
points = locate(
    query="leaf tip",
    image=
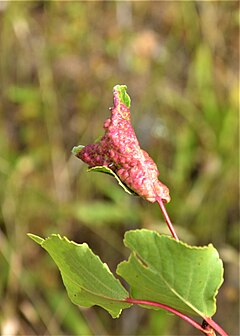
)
(35, 238)
(77, 149)
(123, 96)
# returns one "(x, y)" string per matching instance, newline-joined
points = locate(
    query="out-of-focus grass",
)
(59, 61)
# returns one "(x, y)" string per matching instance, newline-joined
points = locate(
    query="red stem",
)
(195, 324)
(172, 310)
(215, 326)
(167, 219)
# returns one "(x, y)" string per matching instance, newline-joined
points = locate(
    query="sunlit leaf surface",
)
(88, 281)
(163, 270)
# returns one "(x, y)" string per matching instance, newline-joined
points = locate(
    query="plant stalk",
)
(186, 318)
(215, 326)
(170, 309)
(167, 219)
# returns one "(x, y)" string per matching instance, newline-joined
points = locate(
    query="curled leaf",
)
(119, 150)
(106, 170)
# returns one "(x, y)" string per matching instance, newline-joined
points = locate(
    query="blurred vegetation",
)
(58, 64)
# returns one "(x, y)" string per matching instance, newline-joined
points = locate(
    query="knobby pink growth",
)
(120, 151)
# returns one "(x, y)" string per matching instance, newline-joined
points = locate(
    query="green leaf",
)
(77, 149)
(37, 239)
(88, 281)
(164, 270)
(123, 96)
(106, 170)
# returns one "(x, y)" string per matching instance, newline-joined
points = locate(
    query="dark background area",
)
(58, 64)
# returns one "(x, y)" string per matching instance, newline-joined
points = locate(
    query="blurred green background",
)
(58, 64)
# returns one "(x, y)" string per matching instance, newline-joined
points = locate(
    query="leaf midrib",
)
(179, 296)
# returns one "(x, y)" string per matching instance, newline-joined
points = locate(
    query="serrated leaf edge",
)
(67, 276)
(189, 247)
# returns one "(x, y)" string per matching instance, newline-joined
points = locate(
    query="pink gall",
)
(120, 151)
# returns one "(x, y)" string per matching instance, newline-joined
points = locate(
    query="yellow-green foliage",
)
(58, 64)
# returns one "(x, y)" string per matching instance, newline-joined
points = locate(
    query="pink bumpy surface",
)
(119, 150)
